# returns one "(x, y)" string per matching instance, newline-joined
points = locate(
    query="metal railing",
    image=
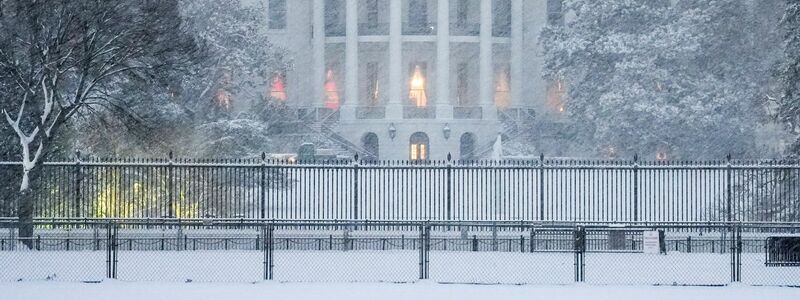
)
(393, 251)
(538, 190)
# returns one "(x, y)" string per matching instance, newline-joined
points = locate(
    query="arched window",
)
(371, 146)
(420, 147)
(467, 146)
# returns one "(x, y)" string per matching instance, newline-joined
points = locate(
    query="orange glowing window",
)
(278, 87)
(331, 91)
(416, 92)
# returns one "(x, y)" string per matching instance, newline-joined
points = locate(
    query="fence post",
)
(636, 188)
(78, 175)
(739, 253)
(424, 250)
(580, 249)
(728, 189)
(267, 232)
(109, 244)
(421, 246)
(449, 186)
(355, 187)
(170, 192)
(263, 195)
(541, 187)
(689, 244)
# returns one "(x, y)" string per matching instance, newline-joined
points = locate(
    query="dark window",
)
(555, 12)
(467, 148)
(371, 146)
(418, 13)
(372, 13)
(462, 11)
(501, 22)
(277, 14)
(462, 91)
(334, 18)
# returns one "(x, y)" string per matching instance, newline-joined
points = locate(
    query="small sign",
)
(650, 242)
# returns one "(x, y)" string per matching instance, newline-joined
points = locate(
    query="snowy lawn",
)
(395, 266)
(371, 291)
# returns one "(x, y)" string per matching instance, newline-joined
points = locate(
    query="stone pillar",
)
(444, 108)
(318, 45)
(487, 63)
(517, 40)
(394, 109)
(351, 61)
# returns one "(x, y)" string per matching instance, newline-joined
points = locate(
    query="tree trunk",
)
(25, 205)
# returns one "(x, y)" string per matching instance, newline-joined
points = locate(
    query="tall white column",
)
(444, 108)
(351, 61)
(394, 109)
(487, 63)
(517, 38)
(318, 44)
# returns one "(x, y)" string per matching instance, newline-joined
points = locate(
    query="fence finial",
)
(449, 157)
(636, 157)
(355, 158)
(263, 156)
(78, 156)
(729, 157)
(170, 155)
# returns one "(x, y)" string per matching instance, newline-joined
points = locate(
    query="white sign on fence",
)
(650, 242)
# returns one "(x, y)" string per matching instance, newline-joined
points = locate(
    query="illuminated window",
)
(277, 14)
(278, 87)
(331, 91)
(416, 92)
(223, 99)
(419, 145)
(502, 95)
(555, 95)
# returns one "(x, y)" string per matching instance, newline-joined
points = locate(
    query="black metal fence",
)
(386, 251)
(543, 190)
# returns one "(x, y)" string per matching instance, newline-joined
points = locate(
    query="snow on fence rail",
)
(477, 252)
(541, 190)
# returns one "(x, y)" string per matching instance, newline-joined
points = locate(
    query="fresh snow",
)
(393, 266)
(110, 289)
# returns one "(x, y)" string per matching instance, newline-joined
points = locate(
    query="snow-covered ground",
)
(393, 266)
(371, 291)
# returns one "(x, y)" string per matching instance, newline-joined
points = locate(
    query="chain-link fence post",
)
(267, 233)
(424, 250)
(580, 249)
(427, 251)
(108, 250)
(738, 266)
(111, 250)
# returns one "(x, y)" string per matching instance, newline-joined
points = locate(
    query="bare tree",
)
(65, 59)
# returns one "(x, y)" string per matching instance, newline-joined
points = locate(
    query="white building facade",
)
(415, 79)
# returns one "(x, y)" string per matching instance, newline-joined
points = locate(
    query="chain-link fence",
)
(447, 252)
